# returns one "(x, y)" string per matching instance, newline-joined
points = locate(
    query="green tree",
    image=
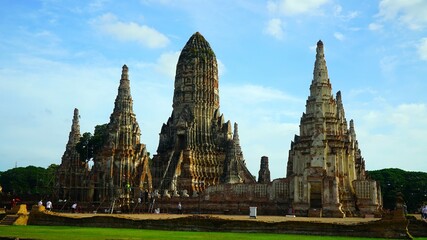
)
(413, 186)
(89, 145)
(84, 147)
(29, 181)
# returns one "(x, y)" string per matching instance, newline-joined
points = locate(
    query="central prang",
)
(197, 148)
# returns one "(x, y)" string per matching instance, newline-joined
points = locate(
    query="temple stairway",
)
(9, 219)
(175, 158)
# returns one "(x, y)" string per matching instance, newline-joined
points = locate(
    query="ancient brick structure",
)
(196, 147)
(121, 170)
(325, 167)
(264, 171)
(72, 171)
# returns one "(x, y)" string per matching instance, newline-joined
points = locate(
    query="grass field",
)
(65, 232)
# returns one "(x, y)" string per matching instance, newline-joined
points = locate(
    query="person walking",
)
(74, 208)
(49, 205)
(179, 208)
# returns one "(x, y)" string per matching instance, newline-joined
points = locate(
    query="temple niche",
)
(197, 148)
(120, 171)
(325, 168)
(72, 172)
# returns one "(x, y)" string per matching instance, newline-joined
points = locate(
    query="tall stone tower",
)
(121, 169)
(195, 142)
(72, 171)
(325, 166)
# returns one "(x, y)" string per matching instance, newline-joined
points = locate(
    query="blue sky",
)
(58, 55)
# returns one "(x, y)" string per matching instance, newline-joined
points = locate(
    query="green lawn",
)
(66, 232)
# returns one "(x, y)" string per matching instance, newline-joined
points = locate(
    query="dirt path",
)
(347, 221)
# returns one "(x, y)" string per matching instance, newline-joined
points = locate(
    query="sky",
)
(57, 55)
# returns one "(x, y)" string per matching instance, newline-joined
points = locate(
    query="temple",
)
(325, 167)
(197, 148)
(199, 160)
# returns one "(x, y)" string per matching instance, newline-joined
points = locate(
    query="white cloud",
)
(275, 28)
(362, 91)
(295, 7)
(375, 26)
(97, 5)
(268, 120)
(251, 94)
(313, 48)
(402, 126)
(339, 36)
(166, 64)
(422, 49)
(221, 68)
(348, 16)
(131, 31)
(411, 14)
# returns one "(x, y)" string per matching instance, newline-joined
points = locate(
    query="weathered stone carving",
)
(196, 147)
(325, 166)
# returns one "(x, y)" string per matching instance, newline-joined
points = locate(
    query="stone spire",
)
(320, 73)
(71, 170)
(352, 131)
(195, 140)
(74, 136)
(264, 171)
(122, 162)
(326, 152)
(236, 139)
(123, 101)
(340, 106)
(320, 89)
(231, 166)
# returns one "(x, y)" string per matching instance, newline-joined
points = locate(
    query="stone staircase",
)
(9, 219)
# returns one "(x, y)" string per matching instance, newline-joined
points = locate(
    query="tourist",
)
(49, 205)
(179, 208)
(40, 203)
(74, 208)
(424, 212)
